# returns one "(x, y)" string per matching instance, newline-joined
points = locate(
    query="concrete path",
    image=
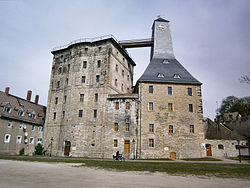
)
(42, 175)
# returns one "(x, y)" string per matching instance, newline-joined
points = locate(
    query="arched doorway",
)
(67, 148)
(209, 150)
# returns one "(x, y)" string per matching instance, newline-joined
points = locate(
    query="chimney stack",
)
(7, 89)
(29, 92)
(36, 99)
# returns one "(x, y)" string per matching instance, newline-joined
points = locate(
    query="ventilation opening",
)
(177, 76)
(160, 75)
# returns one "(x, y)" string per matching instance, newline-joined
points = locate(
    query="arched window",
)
(7, 108)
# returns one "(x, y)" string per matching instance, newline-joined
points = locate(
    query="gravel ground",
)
(42, 175)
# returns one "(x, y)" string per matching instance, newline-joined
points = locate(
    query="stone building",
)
(93, 109)
(21, 123)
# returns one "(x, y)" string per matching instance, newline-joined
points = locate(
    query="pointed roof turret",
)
(163, 66)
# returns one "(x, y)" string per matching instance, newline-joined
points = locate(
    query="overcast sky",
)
(211, 39)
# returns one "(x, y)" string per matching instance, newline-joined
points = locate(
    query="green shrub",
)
(21, 152)
(39, 149)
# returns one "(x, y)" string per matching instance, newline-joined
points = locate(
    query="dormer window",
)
(160, 75)
(177, 76)
(32, 115)
(7, 108)
(165, 61)
(20, 112)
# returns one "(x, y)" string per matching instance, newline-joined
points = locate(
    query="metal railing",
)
(85, 40)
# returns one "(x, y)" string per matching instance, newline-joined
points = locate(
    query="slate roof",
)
(28, 107)
(169, 68)
(220, 131)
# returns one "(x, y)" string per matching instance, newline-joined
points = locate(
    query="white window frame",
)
(19, 139)
(39, 141)
(7, 140)
(31, 142)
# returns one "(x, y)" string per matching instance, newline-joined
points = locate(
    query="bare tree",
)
(245, 79)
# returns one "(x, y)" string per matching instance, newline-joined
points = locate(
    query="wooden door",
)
(127, 146)
(172, 155)
(209, 150)
(67, 148)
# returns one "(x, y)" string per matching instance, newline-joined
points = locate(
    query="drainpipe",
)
(140, 101)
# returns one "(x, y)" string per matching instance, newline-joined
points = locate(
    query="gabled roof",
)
(27, 106)
(172, 71)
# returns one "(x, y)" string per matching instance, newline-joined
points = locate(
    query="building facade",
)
(93, 110)
(22, 123)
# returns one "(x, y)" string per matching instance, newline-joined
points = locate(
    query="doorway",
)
(172, 155)
(127, 146)
(209, 150)
(67, 148)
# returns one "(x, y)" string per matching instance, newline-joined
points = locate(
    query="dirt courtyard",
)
(38, 174)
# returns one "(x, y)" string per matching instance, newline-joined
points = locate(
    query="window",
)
(20, 112)
(7, 138)
(127, 127)
(18, 139)
(171, 129)
(7, 108)
(127, 105)
(177, 76)
(40, 129)
(170, 107)
(32, 115)
(9, 124)
(122, 87)
(190, 107)
(151, 143)
(56, 100)
(67, 81)
(151, 128)
(189, 91)
(60, 70)
(128, 77)
(115, 143)
(80, 113)
(84, 64)
(100, 48)
(150, 106)
(170, 90)
(58, 84)
(150, 89)
(96, 97)
(86, 49)
(63, 114)
(191, 128)
(116, 82)
(117, 105)
(54, 115)
(95, 113)
(39, 141)
(68, 67)
(33, 127)
(122, 73)
(65, 99)
(31, 140)
(160, 75)
(116, 68)
(98, 63)
(83, 79)
(21, 126)
(220, 146)
(97, 78)
(116, 127)
(81, 97)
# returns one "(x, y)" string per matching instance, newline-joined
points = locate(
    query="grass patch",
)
(197, 169)
(201, 159)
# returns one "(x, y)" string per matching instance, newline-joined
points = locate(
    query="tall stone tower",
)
(84, 75)
(170, 117)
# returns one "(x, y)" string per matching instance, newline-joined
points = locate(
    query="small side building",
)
(21, 123)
